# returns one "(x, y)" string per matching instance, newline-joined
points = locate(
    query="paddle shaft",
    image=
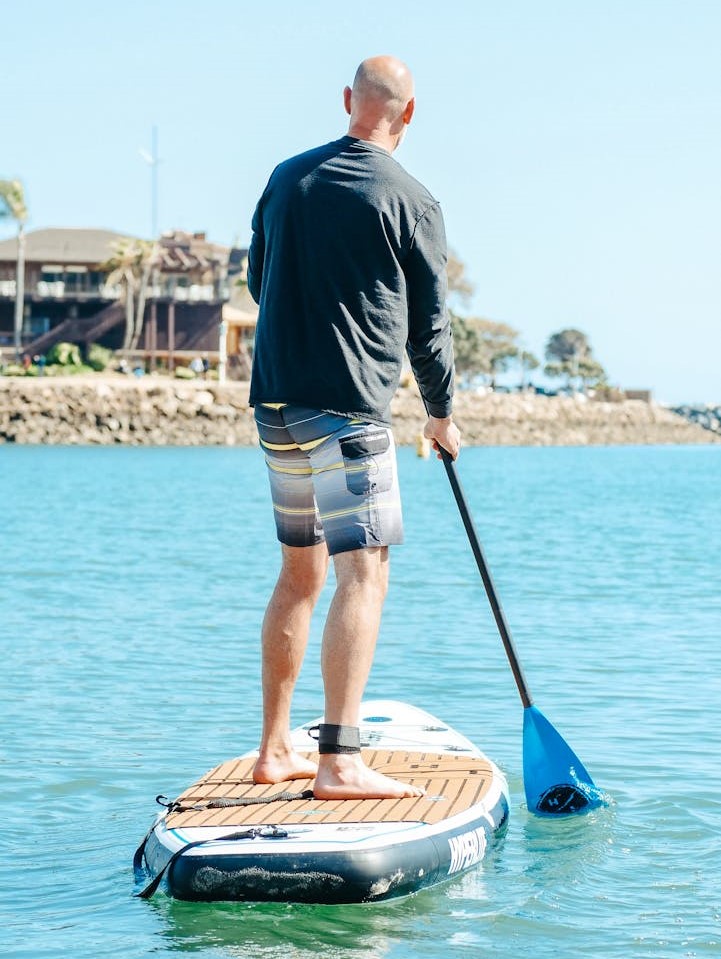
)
(477, 549)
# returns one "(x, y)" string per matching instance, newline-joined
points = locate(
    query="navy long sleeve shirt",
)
(348, 265)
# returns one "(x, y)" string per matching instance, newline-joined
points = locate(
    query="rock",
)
(204, 398)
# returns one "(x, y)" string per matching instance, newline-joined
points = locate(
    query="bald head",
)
(380, 102)
(383, 81)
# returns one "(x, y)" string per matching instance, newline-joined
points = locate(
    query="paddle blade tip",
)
(556, 781)
(565, 799)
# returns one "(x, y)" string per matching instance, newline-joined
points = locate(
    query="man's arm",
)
(430, 347)
(430, 344)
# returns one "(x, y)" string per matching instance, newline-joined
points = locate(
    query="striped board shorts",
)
(332, 479)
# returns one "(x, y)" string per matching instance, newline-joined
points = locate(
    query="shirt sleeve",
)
(256, 253)
(430, 344)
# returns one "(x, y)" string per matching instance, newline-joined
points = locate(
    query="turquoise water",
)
(132, 586)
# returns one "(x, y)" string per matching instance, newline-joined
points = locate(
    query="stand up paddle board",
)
(226, 838)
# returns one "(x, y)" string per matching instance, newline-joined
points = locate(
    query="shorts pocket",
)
(368, 463)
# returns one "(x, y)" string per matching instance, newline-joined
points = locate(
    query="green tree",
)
(569, 355)
(482, 347)
(500, 342)
(471, 358)
(553, 370)
(591, 373)
(527, 362)
(567, 345)
(12, 204)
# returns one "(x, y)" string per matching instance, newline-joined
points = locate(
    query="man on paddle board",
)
(348, 265)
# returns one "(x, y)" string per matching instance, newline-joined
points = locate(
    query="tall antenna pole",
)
(154, 185)
(152, 159)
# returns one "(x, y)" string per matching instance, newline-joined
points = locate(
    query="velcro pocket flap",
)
(369, 444)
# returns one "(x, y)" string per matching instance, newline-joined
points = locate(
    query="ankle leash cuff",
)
(336, 739)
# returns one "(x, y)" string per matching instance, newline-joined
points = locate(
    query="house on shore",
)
(194, 295)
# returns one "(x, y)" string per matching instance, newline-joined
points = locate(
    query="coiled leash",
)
(176, 806)
(262, 832)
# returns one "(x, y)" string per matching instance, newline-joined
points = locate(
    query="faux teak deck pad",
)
(452, 784)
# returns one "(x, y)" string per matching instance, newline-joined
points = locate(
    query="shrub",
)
(64, 354)
(99, 357)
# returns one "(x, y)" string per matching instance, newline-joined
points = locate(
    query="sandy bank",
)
(158, 411)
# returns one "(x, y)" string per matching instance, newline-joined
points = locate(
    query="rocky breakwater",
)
(150, 411)
(159, 411)
(527, 419)
(709, 416)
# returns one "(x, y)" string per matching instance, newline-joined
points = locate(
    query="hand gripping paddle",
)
(555, 780)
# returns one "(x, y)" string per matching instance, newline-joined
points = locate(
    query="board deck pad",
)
(452, 784)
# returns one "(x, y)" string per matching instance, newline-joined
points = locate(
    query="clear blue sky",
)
(575, 146)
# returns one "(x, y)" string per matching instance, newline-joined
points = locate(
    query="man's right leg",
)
(285, 637)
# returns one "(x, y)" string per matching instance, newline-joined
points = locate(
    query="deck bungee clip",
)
(261, 832)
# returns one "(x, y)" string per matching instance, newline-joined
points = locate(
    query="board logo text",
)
(467, 849)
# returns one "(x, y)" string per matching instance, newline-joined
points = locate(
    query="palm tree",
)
(129, 267)
(148, 260)
(121, 267)
(13, 206)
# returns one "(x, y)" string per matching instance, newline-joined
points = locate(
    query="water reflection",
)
(303, 931)
(568, 847)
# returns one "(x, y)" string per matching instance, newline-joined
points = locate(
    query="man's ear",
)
(346, 99)
(408, 112)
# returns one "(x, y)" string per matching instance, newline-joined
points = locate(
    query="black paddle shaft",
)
(498, 613)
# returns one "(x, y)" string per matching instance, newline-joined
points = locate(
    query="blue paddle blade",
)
(555, 779)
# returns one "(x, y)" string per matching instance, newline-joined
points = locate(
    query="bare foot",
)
(280, 767)
(346, 776)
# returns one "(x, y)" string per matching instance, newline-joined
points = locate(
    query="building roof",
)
(63, 245)
(178, 252)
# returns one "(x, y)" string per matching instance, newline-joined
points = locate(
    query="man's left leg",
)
(285, 637)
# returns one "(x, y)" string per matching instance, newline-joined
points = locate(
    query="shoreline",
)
(116, 409)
